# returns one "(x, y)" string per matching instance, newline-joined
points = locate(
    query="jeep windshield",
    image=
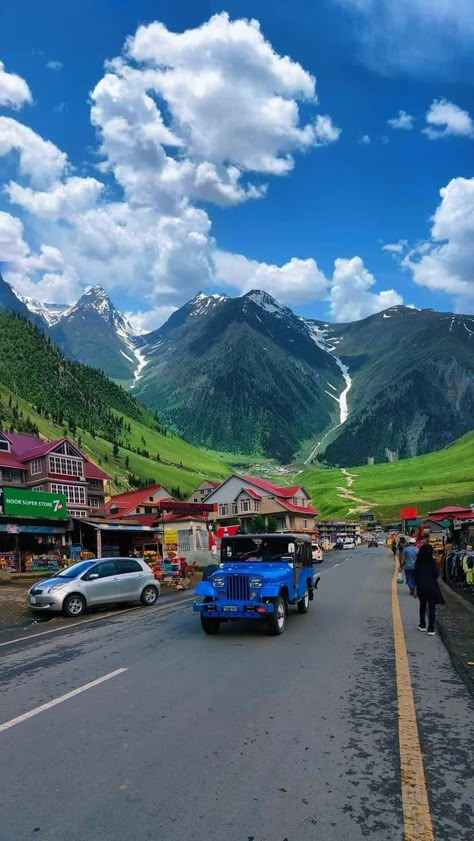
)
(257, 549)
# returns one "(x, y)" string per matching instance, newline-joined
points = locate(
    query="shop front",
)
(32, 546)
(33, 530)
(114, 540)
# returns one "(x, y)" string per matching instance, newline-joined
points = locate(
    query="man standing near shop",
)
(408, 562)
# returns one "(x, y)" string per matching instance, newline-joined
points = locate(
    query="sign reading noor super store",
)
(22, 502)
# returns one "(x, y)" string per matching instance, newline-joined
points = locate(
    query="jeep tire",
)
(277, 619)
(210, 625)
(303, 604)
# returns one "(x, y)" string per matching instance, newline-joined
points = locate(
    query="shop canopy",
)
(117, 526)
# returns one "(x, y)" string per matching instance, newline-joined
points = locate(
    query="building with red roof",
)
(143, 501)
(245, 496)
(56, 466)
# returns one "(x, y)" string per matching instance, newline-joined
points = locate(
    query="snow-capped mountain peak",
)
(49, 313)
(266, 302)
(202, 303)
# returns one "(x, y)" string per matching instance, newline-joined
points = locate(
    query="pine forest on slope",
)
(42, 392)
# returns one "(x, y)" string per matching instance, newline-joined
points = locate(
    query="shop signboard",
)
(22, 502)
(171, 543)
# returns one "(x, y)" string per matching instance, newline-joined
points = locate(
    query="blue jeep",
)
(259, 577)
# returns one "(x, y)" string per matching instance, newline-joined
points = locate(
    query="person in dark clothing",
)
(427, 587)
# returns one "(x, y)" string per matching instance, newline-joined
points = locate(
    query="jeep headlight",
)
(218, 581)
(255, 581)
(58, 586)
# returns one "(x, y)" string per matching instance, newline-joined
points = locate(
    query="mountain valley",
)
(247, 375)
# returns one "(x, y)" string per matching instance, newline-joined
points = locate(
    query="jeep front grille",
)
(237, 588)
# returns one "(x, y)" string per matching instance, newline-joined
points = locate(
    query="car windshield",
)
(76, 570)
(257, 549)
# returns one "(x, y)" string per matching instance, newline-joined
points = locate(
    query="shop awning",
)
(117, 526)
(21, 528)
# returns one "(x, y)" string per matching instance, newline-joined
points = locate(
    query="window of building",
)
(94, 502)
(305, 524)
(73, 493)
(96, 483)
(245, 504)
(79, 514)
(9, 474)
(36, 466)
(223, 510)
(66, 466)
(148, 509)
(66, 450)
(235, 508)
(256, 505)
(4, 445)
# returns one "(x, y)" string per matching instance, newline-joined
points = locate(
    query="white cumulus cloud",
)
(445, 263)
(12, 244)
(403, 121)
(351, 293)
(64, 199)
(445, 118)
(14, 91)
(40, 160)
(296, 281)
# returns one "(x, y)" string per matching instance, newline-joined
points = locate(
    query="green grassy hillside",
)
(429, 481)
(174, 452)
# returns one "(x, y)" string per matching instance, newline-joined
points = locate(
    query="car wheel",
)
(74, 605)
(149, 595)
(210, 626)
(303, 604)
(277, 619)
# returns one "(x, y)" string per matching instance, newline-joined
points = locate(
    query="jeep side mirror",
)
(93, 576)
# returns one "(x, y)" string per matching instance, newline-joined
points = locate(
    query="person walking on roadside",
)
(401, 545)
(409, 556)
(393, 547)
(427, 587)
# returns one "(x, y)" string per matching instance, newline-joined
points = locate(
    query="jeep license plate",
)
(32, 600)
(230, 608)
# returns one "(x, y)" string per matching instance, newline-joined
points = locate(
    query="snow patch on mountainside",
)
(141, 362)
(328, 345)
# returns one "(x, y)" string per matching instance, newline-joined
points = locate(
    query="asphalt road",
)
(242, 735)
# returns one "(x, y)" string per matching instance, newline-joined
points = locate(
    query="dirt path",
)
(362, 505)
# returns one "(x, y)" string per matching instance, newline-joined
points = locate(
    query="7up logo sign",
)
(57, 505)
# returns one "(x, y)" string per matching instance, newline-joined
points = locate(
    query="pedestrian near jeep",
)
(427, 587)
(409, 556)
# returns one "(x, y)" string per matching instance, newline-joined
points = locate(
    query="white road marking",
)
(19, 719)
(110, 615)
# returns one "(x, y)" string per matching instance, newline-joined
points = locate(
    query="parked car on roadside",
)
(92, 583)
(349, 543)
(317, 553)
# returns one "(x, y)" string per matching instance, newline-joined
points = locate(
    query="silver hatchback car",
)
(97, 582)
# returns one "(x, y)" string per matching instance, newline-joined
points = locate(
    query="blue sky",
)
(341, 199)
